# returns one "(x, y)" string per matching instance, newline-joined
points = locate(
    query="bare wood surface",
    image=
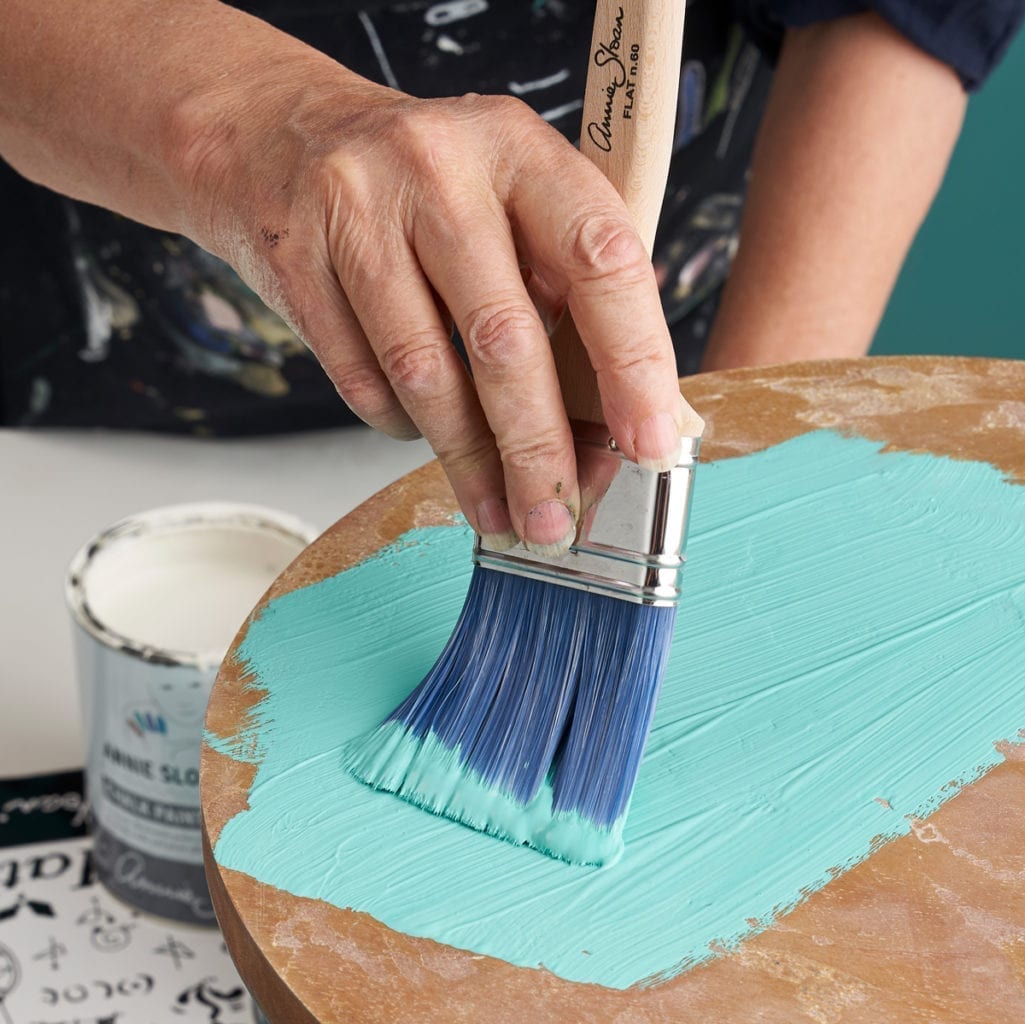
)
(930, 929)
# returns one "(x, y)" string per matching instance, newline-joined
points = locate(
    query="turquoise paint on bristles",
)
(532, 722)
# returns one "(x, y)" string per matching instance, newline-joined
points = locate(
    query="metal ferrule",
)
(630, 543)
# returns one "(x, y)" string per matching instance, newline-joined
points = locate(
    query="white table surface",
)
(57, 489)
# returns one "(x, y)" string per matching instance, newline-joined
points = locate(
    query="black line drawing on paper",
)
(40, 908)
(107, 934)
(139, 984)
(112, 939)
(94, 914)
(110, 1018)
(53, 953)
(10, 975)
(216, 1001)
(77, 993)
(136, 985)
(176, 950)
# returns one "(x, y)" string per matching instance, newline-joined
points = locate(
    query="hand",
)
(371, 221)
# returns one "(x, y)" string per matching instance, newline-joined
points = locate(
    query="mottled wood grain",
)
(930, 928)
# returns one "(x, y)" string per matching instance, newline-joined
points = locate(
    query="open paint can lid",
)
(174, 584)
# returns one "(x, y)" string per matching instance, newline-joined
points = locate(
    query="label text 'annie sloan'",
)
(623, 70)
(145, 768)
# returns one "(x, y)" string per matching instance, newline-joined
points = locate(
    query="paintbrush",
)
(532, 723)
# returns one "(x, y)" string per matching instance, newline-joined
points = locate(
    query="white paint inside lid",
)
(184, 588)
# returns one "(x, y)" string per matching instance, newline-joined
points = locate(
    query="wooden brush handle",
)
(628, 126)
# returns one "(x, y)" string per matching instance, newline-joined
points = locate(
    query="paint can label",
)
(156, 599)
(143, 781)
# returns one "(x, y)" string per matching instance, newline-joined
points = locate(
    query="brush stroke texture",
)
(850, 647)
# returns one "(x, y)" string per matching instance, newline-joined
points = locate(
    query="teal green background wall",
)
(962, 291)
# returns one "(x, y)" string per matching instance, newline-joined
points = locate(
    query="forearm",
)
(96, 99)
(370, 220)
(857, 135)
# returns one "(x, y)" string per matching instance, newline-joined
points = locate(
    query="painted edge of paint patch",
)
(243, 744)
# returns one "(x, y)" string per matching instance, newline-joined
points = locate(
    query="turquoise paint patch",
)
(853, 631)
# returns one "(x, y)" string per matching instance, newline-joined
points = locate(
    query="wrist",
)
(208, 134)
(234, 140)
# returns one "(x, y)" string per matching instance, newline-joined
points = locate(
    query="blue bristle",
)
(539, 685)
(501, 689)
(597, 764)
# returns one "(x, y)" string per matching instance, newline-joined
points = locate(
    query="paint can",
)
(157, 599)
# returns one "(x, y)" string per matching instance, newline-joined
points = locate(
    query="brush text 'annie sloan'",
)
(623, 69)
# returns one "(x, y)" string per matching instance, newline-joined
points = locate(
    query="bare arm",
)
(856, 138)
(91, 95)
(366, 218)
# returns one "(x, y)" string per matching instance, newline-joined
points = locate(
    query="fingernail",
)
(550, 529)
(494, 524)
(657, 443)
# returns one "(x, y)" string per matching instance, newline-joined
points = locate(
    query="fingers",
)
(434, 219)
(469, 255)
(322, 317)
(410, 339)
(592, 253)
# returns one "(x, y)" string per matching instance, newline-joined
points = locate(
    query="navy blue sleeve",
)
(969, 35)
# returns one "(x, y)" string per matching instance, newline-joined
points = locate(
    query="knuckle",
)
(422, 136)
(365, 241)
(627, 359)
(415, 364)
(363, 389)
(342, 175)
(502, 337)
(491, 110)
(346, 184)
(439, 139)
(504, 108)
(603, 245)
(350, 209)
(526, 454)
(466, 460)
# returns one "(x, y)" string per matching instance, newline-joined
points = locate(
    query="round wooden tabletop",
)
(930, 927)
